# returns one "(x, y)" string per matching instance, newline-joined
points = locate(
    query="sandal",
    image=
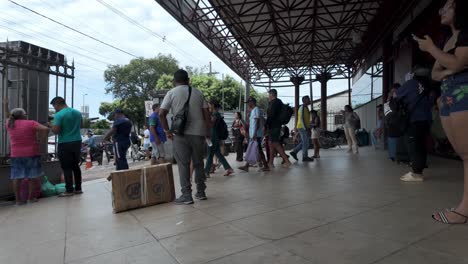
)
(229, 172)
(444, 219)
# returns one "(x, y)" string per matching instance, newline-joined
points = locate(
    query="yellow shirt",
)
(306, 118)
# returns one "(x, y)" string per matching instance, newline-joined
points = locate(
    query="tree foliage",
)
(100, 124)
(138, 78)
(165, 82)
(134, 109)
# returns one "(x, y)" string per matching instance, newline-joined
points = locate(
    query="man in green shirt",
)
(67, 124)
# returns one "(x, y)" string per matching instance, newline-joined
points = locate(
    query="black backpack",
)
(222, 129)
(285, 114)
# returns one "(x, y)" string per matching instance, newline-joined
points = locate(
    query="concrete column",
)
(247, 94)
(387, 77)
(323, 102)
(296, 80)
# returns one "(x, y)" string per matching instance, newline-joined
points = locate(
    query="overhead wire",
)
(146, 29)
(73, 29)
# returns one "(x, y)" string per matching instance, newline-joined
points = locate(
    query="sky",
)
(92, 57)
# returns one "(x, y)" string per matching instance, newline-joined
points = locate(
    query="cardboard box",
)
(142, 187)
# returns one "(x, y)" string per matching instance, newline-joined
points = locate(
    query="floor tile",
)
(276, 224)
(451, 241)
(50, 252)
(333, 244)
(147, 253)
(208, 244)
(417, 255)
(238, 210)
(395, 223)
(148, 214)
(181, 223)
(325, 210)
(264, 254)
(100, 241)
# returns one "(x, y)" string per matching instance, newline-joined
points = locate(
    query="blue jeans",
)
(392, 147)
(375, 140)
(304, 144)
(212, 151)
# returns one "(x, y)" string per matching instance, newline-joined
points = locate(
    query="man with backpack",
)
(256, 123)
(303, 128)
(218, 132)
(276, 117)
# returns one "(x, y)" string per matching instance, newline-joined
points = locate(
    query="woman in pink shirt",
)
(25, 158)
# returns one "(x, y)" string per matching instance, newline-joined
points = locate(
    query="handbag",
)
(252, 155)
(179, 120)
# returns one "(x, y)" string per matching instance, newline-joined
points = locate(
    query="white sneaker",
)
(356, 149)
(412, 177)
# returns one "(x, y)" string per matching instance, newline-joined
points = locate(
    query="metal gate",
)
(26, 70)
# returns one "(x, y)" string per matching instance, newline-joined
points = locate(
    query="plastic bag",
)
(252, 155)
(60, 188)
(47, 188)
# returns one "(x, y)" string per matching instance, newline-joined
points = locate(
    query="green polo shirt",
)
(69, 121)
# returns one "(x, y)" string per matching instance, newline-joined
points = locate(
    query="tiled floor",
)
(340, 209)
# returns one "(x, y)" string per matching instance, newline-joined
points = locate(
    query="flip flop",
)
(444, 219)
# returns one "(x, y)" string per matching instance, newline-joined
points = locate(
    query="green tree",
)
(100, 124)
(138, 78)
(86, 123)
(134, 109)
(165, 82)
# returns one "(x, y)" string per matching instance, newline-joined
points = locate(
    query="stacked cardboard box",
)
(142, 187)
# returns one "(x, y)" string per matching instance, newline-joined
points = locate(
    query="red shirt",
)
(23, 139)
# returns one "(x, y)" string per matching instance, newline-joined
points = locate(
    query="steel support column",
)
(323, 78)
(296, 80)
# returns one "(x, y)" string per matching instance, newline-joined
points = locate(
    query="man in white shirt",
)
(146, 142)
(189, 146)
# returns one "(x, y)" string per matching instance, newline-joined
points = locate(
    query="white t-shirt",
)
(174, 102)
(147, 139)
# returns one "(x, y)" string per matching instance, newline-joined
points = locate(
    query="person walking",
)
(352, 122)
(157, 137)
(273, 127)
(25, 159)
(303, 128)
(120, 133)
(214, 149)
(189, 143)
(256, 133)
(67, 124)
(315, 124)
(238, 131)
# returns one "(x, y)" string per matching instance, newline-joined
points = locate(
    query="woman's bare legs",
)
(456, 131)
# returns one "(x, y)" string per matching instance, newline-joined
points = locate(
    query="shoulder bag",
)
(179, 120)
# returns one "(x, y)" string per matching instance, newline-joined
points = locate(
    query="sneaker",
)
(412, 177)
(294, 155)
(200, 196)
(184, 199)
(78, 192)
(307, 159)
(66, 194)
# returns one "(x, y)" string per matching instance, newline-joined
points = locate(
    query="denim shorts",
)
(26, 168)
(454, 94)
